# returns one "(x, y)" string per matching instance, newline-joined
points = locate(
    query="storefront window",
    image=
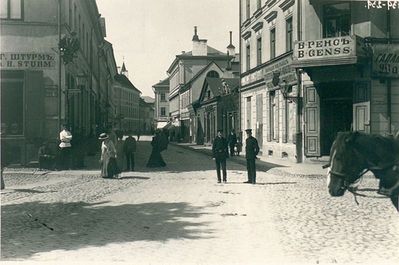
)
(337, 20)
(12, 107)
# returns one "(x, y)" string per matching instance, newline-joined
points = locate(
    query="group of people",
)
(220, 153)
(115, 151)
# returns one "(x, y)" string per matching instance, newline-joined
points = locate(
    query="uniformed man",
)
(220, 153)
(251, 150)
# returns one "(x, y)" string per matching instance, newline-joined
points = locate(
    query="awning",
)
(161, 124)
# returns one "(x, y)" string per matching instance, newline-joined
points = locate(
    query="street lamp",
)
(286, 89)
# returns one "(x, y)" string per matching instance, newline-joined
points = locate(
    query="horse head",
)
(346, 163)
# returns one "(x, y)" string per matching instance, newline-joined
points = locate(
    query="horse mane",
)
(377, 148)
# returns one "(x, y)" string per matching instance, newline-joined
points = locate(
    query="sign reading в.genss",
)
(324, 48)
(26, 60)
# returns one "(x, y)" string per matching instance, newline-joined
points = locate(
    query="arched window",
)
(212, 74)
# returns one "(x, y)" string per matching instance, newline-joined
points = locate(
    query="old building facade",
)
(307, 73)
(40, 88)
(161, 105)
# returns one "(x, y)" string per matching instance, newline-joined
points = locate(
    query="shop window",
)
(12, 102)
(337, 20)
(11, 9)
(288, 35)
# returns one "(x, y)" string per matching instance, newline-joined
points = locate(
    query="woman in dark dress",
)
(156, 159)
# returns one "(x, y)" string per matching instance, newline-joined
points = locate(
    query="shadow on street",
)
(30, 228)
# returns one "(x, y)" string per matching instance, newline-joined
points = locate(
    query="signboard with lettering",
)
(328, 51)
(27, 60)
(385, 60)
(282, 68)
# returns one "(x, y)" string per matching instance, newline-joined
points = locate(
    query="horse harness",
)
(394, 166)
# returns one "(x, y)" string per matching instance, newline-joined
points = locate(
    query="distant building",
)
(146, 125)
(161, 108)
(126, 99)
(182, 71)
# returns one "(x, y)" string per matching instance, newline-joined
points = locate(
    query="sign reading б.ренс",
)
(385, 60)
(25, 60)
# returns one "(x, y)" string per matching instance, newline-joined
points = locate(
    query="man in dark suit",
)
(232, 140)
(251, 150)
(220, 153)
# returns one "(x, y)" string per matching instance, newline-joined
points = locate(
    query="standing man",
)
(232, 141)
(220, 153)
(251, 150)
(130, 148)
(65, 147)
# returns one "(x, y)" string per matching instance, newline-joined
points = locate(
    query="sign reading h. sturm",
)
(24, 60)
(324, 48)
(385, 60)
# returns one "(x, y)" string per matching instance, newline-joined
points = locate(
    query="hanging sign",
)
(385, 60)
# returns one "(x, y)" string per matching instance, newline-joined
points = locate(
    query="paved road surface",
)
(180, 215)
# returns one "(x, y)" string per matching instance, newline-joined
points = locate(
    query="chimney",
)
(231, 50)
(200, 47)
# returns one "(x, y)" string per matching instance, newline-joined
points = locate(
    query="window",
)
(248, 110)
(70, 13)
(11, 9)
(212, 74)
(248, 57)
(337, 20)
(288, 34)
(163, 112)
(259, 4)
(259, 51)
(163, 98)
(272, 43)
(274, 125)
(248, 9)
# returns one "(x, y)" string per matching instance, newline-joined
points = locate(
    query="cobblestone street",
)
(180, 215)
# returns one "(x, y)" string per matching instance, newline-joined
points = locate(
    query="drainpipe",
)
(59, 64)
(389, 83)
(239, 88)
(298, 127)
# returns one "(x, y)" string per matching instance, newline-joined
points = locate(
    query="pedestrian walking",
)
(156, 159)
(109, 167)
(251, 150)
(219, 154)
(120, 154)
(65, 148)
(232, 140)
(129, 148)
(238, 146)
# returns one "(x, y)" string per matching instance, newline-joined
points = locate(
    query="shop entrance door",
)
(312, 121)
(336, 111)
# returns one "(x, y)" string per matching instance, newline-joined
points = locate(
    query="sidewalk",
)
(266, 163)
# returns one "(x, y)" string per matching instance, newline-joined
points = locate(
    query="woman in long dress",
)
(108, 152)
(156, 159)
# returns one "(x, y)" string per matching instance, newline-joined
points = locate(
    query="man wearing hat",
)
(219, 154)
(251, 150)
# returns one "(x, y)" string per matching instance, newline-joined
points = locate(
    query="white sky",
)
(148, 34)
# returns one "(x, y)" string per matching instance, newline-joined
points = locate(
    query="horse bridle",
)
(368, 167)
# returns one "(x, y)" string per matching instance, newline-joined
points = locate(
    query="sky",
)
(148, 34)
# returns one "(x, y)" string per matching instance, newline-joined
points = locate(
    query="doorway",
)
(336, 112)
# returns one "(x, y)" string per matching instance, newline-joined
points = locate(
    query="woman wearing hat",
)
(108, 157)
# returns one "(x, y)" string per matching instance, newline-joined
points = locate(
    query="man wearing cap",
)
(219, 154)
(251, 150)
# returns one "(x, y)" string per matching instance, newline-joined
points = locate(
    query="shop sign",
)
(325, 48)
(281, 67)
(385, 60)
(19, 60)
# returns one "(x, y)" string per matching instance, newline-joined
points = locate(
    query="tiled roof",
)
(123, 80)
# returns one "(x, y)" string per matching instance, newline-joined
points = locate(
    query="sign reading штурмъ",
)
(27, 60)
